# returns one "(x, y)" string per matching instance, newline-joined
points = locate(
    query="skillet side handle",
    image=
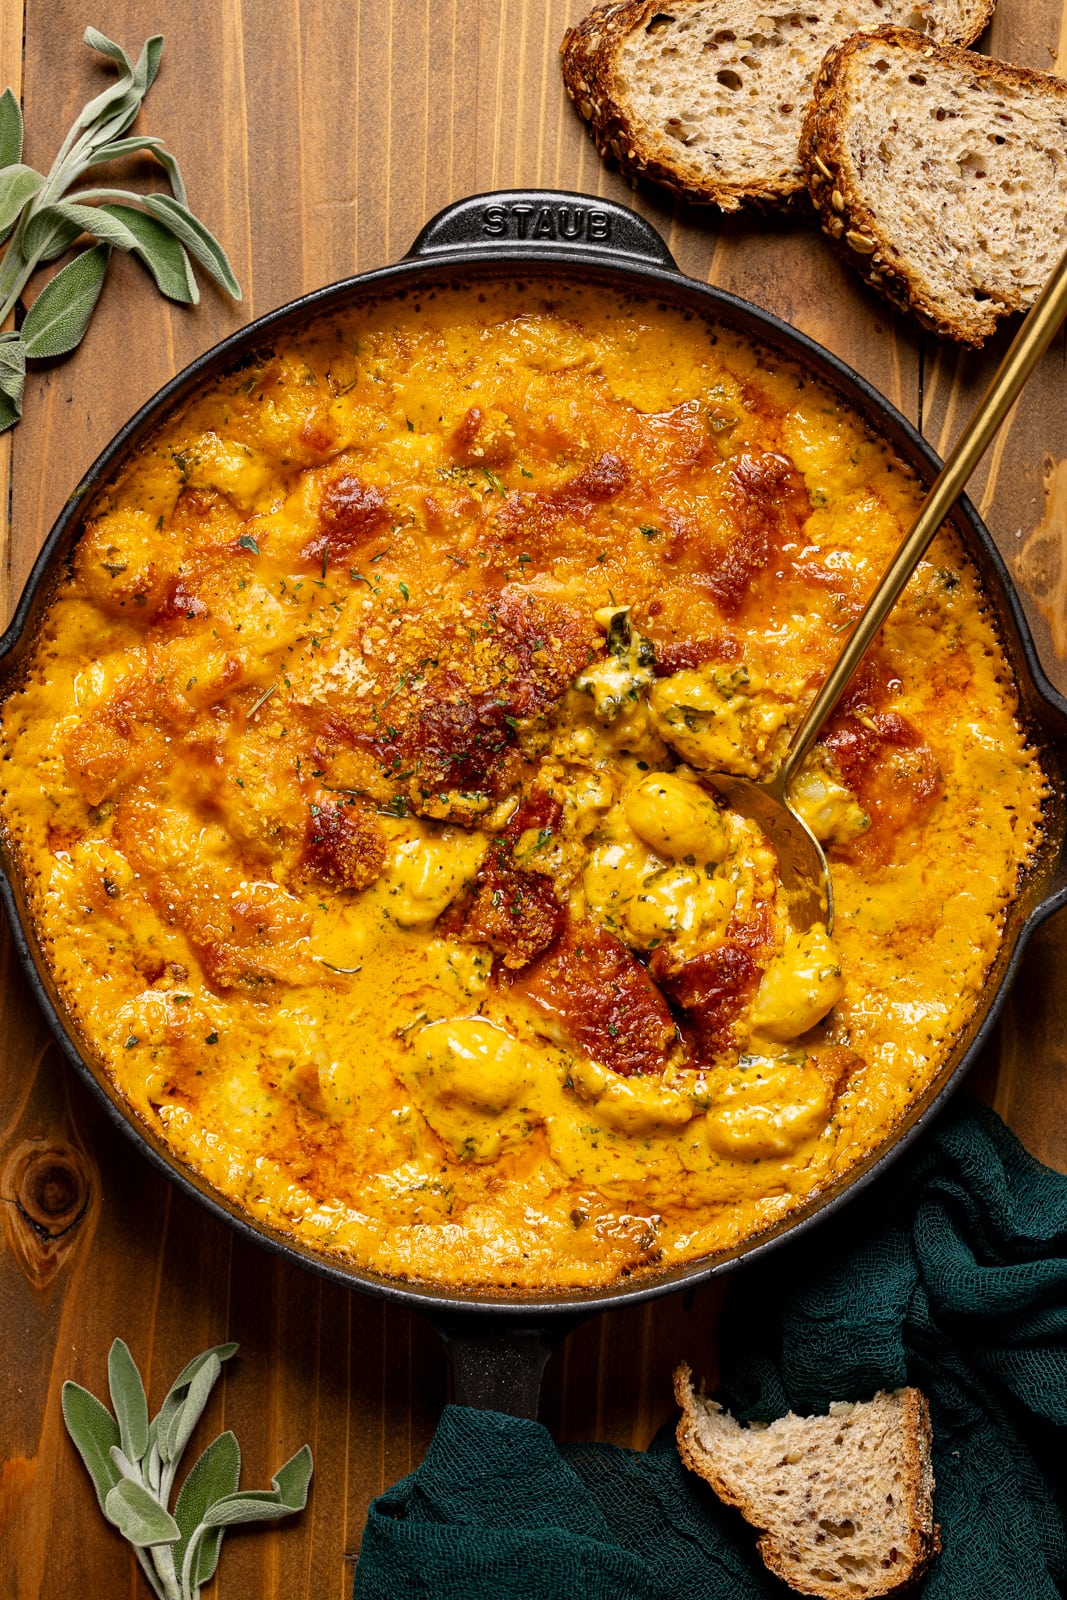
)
(499, 1366)
(532, 220)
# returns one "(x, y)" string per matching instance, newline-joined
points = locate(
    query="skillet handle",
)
(529, 222)
(499, 1367)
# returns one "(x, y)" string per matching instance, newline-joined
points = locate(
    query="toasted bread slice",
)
(941, 174)
(707, 96)
(845, 1501)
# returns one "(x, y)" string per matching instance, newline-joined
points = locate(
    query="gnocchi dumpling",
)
(769, 1108)
(427, 872)
(799, 987)
(676, 818)
(472, 1078)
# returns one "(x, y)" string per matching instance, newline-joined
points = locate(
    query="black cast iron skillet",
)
(499, 1342)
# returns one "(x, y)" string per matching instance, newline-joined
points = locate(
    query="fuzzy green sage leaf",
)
(173, 1441)
(133, 1462)
(129, 1400)
(17, 185)
(288, 1494)
(12, 370)
(94, 1431)
(161, 253)
(10, 130)
(213, 1476)
(138, 1515)
(201, 245)
(43, 215)
(58, 318)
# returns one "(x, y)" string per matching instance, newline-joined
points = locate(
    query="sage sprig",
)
(134, 1463)
(42, 216)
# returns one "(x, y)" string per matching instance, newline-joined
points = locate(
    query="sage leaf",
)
(175, 1394)
(107, 47)
(94, 1431)
(17, 185)
(215, 1474)
(161, 253)
(10, 129)
(201, 245)
(116, 149)
(176, 1430)
(10, 411)
(109, 114)
(54, 324)
(288, 1494)
(178, 1392)
(169, 162)
(48, 233)
(153, 1461)
(112, 111)
(123, 1378)
(144, 73)
(96, 220)
(138, 1515)
(12, 368)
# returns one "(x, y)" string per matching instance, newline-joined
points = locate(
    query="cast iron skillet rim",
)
(501, 261)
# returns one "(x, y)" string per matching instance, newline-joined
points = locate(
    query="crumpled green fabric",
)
(949, 1273)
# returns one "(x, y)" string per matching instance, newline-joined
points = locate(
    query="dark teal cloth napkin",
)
(950, 1273)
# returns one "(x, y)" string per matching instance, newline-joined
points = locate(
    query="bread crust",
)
(863, 238)
(590, 53)
(918, 1487)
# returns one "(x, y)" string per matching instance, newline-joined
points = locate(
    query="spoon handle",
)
(1029, 345)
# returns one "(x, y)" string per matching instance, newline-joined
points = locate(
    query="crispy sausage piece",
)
(512, 910)
(344, 845)
(460, 739)
(350, 512)
(713, 988)
(602, 997)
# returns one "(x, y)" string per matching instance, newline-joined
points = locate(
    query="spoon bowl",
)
(802, 870)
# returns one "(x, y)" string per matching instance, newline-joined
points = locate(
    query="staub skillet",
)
(499, 1343)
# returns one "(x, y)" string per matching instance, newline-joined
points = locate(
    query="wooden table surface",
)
(315, 140)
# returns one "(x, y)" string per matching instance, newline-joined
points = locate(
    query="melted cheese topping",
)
(355, 777)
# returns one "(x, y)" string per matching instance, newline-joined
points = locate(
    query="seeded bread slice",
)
(845, 1501)
(707, 96)
(942, 176)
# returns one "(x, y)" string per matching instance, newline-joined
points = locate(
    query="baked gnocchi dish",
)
(357, 776)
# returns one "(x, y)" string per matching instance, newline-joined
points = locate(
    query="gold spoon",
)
(803, 872)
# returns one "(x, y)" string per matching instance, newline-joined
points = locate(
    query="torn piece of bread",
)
(844, 1502)
(707, 96)
(941, 175)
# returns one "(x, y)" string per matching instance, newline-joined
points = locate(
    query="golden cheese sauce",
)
(356, 778)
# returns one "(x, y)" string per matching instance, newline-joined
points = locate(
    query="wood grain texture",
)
(316, 139)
